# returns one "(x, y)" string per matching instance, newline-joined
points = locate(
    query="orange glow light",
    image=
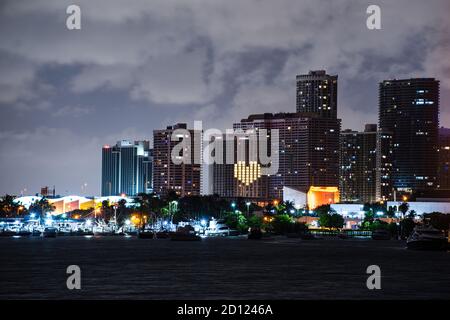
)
(318, 196)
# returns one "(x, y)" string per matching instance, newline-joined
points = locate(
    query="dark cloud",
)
(142, 65)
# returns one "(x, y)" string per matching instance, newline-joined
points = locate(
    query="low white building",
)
(348, 210)
(296, 196)
(421, 207)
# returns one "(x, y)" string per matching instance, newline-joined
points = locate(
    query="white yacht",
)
(427, 238)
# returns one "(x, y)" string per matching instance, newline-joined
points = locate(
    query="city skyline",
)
(59, 106)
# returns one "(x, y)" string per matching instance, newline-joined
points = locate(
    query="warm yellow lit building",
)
(318, 196)
(315, 197)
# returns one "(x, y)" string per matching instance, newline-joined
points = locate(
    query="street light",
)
(233, 205)
(248, 207)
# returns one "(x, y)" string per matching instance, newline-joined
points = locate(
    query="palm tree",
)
(41, 207)
(289, 205)
(7, 205)
(403, 208)
(105, 209)
(412, 214)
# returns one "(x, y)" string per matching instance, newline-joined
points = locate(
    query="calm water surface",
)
(280, 268)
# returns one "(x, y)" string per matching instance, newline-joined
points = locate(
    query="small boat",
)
(23, 233)
(184, 237)
(381, 234)
(163, 235)
(7, 233)
(50, 232)
(146, 234)
(80, 232)
(186, 233)
(427, 238)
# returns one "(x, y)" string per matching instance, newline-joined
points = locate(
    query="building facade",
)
(317, 93)
(126, 168)
(358, 165)
(409, 109)
(168, 175)
(384, 166)
(443, 174)
(308, 155)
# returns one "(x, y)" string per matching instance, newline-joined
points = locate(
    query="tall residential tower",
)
(168, 175)
(317, 93)
(409, 109)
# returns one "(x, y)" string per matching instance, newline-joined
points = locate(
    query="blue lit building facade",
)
(127, 168)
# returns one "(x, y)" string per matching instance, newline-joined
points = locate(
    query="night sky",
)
(136, 66)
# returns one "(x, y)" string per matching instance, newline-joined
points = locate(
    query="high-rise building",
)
(358, 165)
(223, 181)
(308, 155)
(317, 93)
(409, 109)
(126, 168)
(384, 166)
(183, 178)
(443, 174)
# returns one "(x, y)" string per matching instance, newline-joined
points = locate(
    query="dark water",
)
(130, 268)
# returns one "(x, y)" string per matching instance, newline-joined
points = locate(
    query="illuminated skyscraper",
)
(357, 165)
(317, 93)
(126, 168)
(384, 166)
(183, 178)
(409, 109)
(308, 155)
(443, 173)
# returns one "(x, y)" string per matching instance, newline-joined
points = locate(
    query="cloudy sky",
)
(136, 66)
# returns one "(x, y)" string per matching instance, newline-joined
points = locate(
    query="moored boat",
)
(427, 238)
(23, 233)
(186, 233)
(7, 233)
(146, 234)
(50, 232)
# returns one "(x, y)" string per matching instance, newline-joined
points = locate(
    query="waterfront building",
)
(384, 190)
(183, 178)
(443, 174)
(126, 168)
(358, 165)
(409, 109)
(317, 93)
(308, 155)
